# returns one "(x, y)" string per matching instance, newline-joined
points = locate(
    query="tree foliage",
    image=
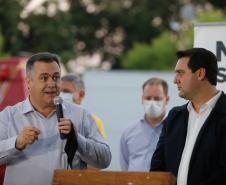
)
(159, 55)
(1, 42)
(9, 19)
(110, 27)
(88, 26)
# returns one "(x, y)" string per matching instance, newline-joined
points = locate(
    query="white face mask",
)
(153, 108)
(68, 97)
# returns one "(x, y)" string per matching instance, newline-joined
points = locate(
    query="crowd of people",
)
(189, 141)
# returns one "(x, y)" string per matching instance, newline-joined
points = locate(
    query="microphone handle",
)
(59, 112)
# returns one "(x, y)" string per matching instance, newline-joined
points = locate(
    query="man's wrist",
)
(19, 146)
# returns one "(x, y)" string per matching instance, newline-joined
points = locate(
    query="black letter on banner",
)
(221, 74)
(220, 47)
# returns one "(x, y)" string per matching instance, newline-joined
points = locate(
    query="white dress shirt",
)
(195, 123)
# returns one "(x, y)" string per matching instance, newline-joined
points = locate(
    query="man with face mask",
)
(73, 91)
(138, 142)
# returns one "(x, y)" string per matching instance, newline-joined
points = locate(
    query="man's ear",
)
(167, 99)
(82, 94)
(80, 97)
(28, 81)
(201, 74)
(142, 99)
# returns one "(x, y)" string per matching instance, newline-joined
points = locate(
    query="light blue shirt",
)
(36, 163)
(137, 145)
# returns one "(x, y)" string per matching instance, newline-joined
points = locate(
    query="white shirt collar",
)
(27, 106)
(209, 104)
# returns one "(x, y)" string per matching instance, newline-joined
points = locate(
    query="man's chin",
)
(50, 97)
(50, 101)
(50, 104)
(181, 94)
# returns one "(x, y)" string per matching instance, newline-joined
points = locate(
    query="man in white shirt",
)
(30, 142)
(193, 141)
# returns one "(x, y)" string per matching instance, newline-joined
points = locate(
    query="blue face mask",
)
(68, 97)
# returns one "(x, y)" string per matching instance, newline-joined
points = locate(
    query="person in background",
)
(138, 142)
(30, 142)
(193, 141)
(73, 90)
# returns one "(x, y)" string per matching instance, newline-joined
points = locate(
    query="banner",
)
(12, 81)
(212, 36)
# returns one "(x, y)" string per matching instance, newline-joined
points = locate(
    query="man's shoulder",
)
(220, 106)
(134, 126)
(178, 109)
(72, 107)
(15, 107)
(175, 111)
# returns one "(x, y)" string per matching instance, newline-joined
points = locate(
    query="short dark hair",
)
(75, 79)
(154, 81)
(201, 58)
(42, 56)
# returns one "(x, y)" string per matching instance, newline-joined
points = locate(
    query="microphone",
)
(71, 144)
(59, 111)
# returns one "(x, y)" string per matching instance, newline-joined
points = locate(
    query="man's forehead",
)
(68, 85)
(154, 85)
(44, 63)
(182, 62)
(154, 88)
(50, 74)
(46, 67)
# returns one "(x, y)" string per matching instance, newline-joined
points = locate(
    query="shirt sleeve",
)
(123, 154)
(92, 147)
(7, 145)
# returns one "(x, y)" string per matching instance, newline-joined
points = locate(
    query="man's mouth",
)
(51, 93)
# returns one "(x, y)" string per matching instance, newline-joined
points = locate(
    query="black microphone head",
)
(57, 100)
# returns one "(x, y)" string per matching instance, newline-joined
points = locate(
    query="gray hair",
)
(75, 79)
(43, 57)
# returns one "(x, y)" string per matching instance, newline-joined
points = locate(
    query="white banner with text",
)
(212, 36)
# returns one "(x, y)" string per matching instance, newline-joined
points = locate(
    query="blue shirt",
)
(137, 145)
(36, 163)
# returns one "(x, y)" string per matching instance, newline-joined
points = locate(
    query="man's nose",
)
(52, 82)
(175, 80)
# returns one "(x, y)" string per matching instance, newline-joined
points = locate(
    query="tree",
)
(88, 26)
(1, 42)
(113, 26)
(10, 17)
(159, 55)
(51, 34)
(109, 27)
